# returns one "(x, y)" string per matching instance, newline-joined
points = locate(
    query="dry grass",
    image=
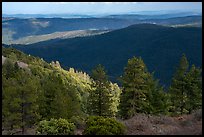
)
(162, 125)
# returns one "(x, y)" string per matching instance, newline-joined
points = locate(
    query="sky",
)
(95, 7)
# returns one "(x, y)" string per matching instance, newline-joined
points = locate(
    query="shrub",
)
(55, 127)
(198, 114)
(78, 121)
(97, 125)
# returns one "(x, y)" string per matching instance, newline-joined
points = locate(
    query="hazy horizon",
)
(90, 8)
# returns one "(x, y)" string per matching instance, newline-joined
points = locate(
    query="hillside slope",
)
(17, 28)
(56, 35)
(160, 47)
(49, 78)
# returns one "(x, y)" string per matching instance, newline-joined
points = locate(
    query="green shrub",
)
(55, 127)
(97, 125)
(78, 121)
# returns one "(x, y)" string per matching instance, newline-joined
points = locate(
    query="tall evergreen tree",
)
(19, 100)
(194, 92)
(115, 98)
(99, 98)
(58, 92)
(28, 103)
(141, 93)
(158, 99)
(135, 88)
(178, 90)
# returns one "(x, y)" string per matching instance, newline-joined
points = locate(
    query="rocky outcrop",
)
(55, 64)
(22, 65)
(3, 59)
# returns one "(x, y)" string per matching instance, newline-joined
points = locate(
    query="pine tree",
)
(178, 90)
(194, 92)
(115, 98)
(57, 91)
(136, 88)
(99, 98)
(158, 99)
(19, 100)
(9, 69)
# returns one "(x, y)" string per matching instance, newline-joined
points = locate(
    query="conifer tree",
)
(19, 100)
(158, 99)
(28, 104)
(136, 89)
(178, 89)
(99, 98)
(115, 98)
(194, 92)
(58, 92)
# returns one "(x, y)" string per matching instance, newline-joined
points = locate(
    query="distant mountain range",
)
(145, 14)
(46, 16)
(17, 28)
(159, 46)
(14, 29)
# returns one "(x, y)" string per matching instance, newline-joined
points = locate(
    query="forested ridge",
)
(51, 100)
(160, 47)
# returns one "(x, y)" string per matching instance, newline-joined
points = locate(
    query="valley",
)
(159, 46)
(101, 68)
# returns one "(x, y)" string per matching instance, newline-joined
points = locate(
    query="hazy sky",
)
(95, 7)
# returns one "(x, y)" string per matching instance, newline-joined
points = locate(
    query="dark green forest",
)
(160, 47)
(57, 101)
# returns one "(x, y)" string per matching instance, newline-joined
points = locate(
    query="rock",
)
(3, 59)
(22, 64)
